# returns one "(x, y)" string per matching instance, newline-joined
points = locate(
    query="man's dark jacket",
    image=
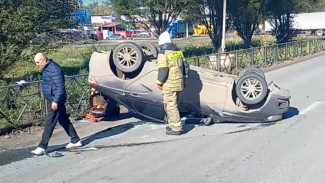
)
(53, 83)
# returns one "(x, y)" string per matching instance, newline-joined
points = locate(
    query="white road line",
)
(311, 107)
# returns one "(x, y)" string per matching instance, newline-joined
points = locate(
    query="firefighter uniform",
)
(172, 70)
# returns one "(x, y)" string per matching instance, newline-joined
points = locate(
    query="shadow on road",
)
(190, 124)
(100, 135)
(120, 117)
(108, 132)
(12, 155)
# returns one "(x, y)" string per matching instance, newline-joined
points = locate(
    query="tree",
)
(158, 13)
(244, 17)
(211, 15)
(104, 9)
(317, 5)
(281, 13)
(21, 21)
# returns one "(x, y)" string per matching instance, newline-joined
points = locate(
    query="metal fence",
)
(234, 61)
(24, 103)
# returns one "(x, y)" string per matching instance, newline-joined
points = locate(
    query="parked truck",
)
(307, 23)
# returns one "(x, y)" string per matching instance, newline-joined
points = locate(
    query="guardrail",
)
(24, 103)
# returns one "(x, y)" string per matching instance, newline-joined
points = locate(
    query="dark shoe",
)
(172, 132)
(169, 129)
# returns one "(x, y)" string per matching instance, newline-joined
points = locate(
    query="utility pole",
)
(223, 41)
(186, 29)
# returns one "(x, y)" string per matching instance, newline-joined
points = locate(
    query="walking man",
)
(54, 91)
(172, 71)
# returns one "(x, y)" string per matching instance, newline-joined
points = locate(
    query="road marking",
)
(310, 107)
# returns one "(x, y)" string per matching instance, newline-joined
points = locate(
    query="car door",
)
(144, 96)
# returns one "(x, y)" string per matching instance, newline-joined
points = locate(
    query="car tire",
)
(149, 50)
(112, 108)
(128, 57)
(319, 32)
(252, 70)
(251, 88)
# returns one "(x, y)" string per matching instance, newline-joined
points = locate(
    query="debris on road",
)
(7, 136)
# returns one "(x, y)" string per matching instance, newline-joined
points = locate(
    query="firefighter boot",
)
(169, 131)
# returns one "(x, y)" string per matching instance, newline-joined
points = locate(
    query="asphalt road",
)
(287, 151)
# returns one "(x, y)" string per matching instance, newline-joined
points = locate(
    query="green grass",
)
(75, 61)
(3, 124)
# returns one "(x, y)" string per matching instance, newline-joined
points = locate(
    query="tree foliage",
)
(317, 6)
(245, 15)
(158, 13)
(280, 16)
(125, 7)
(211, 15)
(22, 21)
(103, 9)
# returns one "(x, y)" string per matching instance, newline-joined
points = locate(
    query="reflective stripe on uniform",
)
(174, 55)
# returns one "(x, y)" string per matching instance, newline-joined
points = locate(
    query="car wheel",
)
(319, 32)
(112, 108)
(251, 88)
(251, 70)
(127, 57)
(149, 50)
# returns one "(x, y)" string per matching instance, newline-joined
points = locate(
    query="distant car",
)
(115, 37)
(127, 76)
(141, 34)
(93, 37)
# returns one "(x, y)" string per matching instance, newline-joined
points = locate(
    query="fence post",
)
(296, 50)
(286, 52)
(277, 54)
(236, 59)
(252, 56)
(219, 61)
(265, 55)
(197, 62)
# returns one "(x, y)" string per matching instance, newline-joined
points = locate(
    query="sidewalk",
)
(31, 136)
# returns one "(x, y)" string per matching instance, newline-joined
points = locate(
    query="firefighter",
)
(172, 71)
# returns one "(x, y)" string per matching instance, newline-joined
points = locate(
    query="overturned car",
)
(127, 75)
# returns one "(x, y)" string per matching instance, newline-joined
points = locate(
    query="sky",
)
(86, 2)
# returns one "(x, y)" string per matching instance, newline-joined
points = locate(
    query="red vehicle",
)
(105, 31)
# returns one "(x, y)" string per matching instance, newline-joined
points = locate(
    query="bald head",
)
(40, 60)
